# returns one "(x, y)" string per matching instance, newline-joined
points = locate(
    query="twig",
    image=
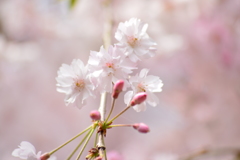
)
(106, 42)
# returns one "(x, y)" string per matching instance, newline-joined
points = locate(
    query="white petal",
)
(152, 99)
(127, 97)
(154, 84)
(52, 158)
(144, 29)
(65, 70)
(25, 150)
(71, 97)
(140, 107)
(64, 81)
(143, 72)
(133, 58)
(77, 66)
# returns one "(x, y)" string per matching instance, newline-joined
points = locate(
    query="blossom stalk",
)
(75, 150)
(120, 125)
(55, 150)
(112, 107)
(119, 114)
(85, 144)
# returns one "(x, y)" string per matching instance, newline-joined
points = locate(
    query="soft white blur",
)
(198, 60)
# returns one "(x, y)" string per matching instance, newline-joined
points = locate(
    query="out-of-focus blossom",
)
(134, 40)
(27, 151)
(108, 66)
(144, 83)
(73, 80)
(165, 156)
(114, 155)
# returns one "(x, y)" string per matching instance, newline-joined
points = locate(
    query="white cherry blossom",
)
(73, 80)
(144, 83)
(108, 66)
(134, 40)
(27, 151)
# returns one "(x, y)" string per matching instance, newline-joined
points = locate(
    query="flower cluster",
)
(108, 70)
(107, 66)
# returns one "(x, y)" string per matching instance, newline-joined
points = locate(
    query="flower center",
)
(110, 65)
(132, 41)
(141, 88)
(80, 84)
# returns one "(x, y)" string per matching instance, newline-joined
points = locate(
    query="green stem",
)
(96, 139)
(55, 150)
(70, 156)
(113, 104)
(121, 125)
(119, 114)
(86, 142)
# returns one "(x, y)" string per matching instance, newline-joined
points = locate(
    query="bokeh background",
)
(198, 60)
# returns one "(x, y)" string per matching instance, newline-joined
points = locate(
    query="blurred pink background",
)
(198, 60)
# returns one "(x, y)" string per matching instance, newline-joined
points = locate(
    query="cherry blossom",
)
(134, 40)
(73, 80)
(27, 151)
(108, 66)
(144, 83)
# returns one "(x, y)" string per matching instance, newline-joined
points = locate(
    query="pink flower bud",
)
(95, 115)
(141, 127)
(117, 88)
(139, 98)
(45, 156)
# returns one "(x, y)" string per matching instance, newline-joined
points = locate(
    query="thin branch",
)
(106, 41)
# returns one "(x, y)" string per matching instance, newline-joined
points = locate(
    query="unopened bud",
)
(117, 88)
(141, 127)
(138, 98)
(45, 156)
(95, 115)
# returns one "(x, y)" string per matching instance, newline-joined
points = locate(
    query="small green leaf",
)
(72, 3)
